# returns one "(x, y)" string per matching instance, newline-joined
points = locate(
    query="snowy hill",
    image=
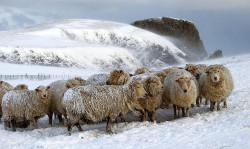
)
(228, 128)
(88, 44)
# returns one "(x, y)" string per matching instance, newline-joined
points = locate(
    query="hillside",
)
(88, 44)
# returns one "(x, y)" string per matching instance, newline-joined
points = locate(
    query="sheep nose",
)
(44, 95)
(184, 90)
(215, 78)
(146, 94)
(161, 87)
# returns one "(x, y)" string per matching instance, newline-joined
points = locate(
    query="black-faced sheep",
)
(96, 103)
(57, 90)
(216, 85)
(25, 105)
(181, 90)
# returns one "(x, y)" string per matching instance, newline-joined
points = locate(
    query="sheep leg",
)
(69, 128)
(218, 106)
(200, 100)
(212, 105)
(122, 116)
(183, 111)
(192, 105)
(225, 103)
(143, 116)
(109, 125)
(151, 114)
(174, 107)
(78, 126)
(6, 124)
(13, 125)
(50, 114)
(179, 111)
(206, 102)
(66, 120)
(31, 125)
(36, 123)
(187, 112)
(60, 118)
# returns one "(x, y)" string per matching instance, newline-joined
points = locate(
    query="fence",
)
(35, 77)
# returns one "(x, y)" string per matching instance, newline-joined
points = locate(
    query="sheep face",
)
(139, 90)
(81, 81)
(141, 71)
(153, 86)
(214, 74)
(184, 84)
(116, 77)
(21, 87)
(43, 91)
(193, 69)
(162, 75)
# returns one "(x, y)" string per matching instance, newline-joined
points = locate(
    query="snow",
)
(88, 44)
(228, 128)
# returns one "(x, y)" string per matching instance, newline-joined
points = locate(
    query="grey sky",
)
(223, 24)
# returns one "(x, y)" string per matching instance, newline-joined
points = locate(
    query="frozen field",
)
(228, 128)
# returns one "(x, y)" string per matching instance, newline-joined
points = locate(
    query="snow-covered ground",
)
(228, 128)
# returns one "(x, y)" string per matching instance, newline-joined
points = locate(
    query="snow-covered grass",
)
(228, 128)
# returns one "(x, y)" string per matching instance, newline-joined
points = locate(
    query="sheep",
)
(142, 71)
(118, 77)
(6, 85)
(168, 70)
(96, 103)
(196, 71)
(5, 90)
(57, 90)
(216, 85)
(181, 90)
(25, 105)
(141, 77)
(153, 87)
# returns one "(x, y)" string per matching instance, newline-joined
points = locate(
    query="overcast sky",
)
(223, 24)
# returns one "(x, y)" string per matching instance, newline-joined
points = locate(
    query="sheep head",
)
(184, 84)
(138, 90)
(43, 91)
(214, 72)
(21, 87)
(118, 77)
(153, 85)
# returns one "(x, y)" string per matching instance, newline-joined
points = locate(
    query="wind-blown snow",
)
(228, 128)
(88, 44)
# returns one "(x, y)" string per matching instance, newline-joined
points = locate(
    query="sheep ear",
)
(37, 90)
(1, 82)
(121, 71)
(131, 75)
(48, 87)
(176, 80)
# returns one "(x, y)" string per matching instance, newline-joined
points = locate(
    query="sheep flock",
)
(109, 97)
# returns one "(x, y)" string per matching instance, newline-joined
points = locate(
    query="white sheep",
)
(57, 90)
(216, 85)
(181, 90)
(25, 105)
(196, 70)
(96, 103)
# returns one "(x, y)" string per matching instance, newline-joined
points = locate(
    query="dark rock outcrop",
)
(182, 33)
(216, 54)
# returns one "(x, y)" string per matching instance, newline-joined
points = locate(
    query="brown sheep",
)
(216, 85)
(181, 90)
(142, 70)
(196, 71)
(25, 105)
(6, 85)
(96, 103)
(118, 77)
